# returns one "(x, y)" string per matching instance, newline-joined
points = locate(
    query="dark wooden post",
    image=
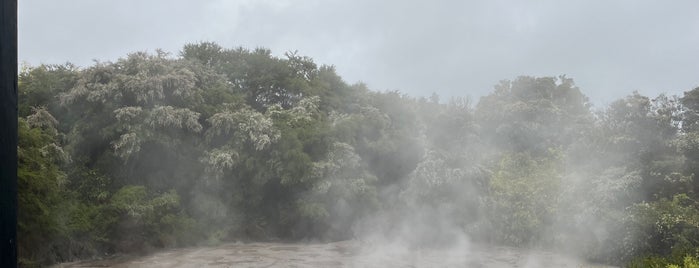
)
(8, 133)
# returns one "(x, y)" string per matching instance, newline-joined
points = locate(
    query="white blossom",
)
(219, 160)
(247, 125)
(41, 118)
(168, 116)
(127, 114)
(127, 145)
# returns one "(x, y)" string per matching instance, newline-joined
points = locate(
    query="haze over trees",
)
(214, 144)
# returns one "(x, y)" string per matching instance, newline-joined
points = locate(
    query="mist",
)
(179, 159)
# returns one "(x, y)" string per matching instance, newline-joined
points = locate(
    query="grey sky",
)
(453, 48)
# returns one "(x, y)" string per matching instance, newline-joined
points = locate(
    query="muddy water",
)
(338, 254)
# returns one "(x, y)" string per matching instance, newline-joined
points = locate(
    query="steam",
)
(453, 204)
(297, 154)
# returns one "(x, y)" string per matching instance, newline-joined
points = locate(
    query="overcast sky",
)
(453, 48)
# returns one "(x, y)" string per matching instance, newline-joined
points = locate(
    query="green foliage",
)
(525, 198)
(533, 114)
(144, 220)
(54, 225)
(689, 262)
(667, 227)
(342, 192)
(218, 144)
(660, 262)
(40, 85)
(40, 181)
(651, 262)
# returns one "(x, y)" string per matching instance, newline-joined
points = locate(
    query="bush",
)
(144, 221)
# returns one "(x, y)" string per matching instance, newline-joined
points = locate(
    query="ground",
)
(337, 254)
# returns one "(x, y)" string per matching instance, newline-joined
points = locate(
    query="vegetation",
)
(215, 144)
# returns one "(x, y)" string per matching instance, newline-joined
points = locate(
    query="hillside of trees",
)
(214, 144)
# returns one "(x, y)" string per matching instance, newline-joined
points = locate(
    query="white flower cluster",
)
(127, 145)
(248, 124)
(168, 116)
(218, 161)
(342, 170)
(127, 114)
(41, 118)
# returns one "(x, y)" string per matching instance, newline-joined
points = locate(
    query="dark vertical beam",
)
(8, 133)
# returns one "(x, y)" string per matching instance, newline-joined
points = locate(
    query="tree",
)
(525, 195)
(533, 114)
(690, 135)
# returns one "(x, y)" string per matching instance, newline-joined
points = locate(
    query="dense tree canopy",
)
(218, 144)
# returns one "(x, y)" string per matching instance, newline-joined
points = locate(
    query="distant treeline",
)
(214, 144)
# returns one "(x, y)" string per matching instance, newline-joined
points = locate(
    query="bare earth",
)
(338, 254)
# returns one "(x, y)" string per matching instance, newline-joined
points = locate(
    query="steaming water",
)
(339, 254)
